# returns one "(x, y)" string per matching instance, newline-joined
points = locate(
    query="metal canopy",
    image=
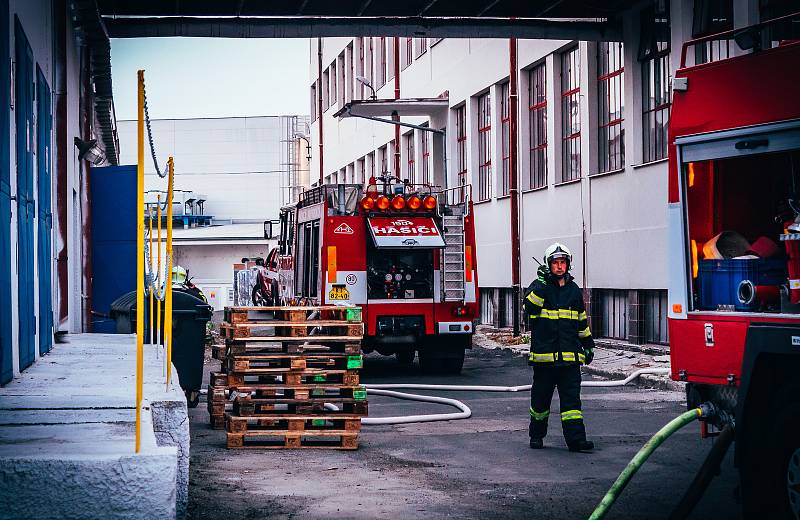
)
(427, 107)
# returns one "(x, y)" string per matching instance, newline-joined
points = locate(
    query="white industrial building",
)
(592, 145)
(231, 175)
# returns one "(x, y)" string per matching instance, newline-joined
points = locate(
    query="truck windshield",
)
(399, 274)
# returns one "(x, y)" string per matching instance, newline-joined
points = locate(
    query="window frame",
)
(610, 95)
(410, 157)
(537, 119)
(654, 59)
(461, 144)
(571, 169)
(425, 171)
(505, 139)
(484, 120)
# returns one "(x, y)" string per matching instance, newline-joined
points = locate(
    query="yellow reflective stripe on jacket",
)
(582, 315)
(571, 415)
(585, 333)
(539, 416)
(550, 357)
(539, 302)
(554, 314)
(541, 358)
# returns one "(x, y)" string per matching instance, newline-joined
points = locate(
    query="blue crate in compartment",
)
(718, 280)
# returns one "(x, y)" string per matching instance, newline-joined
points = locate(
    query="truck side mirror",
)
(268, 229)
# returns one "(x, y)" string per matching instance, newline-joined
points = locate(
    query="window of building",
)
(410, 157)
(383, 156)
(326, 89)
(484, 147)
(505, 131)
(570, 116)
(407, 52)
(654, 310)
(341, 82)
(393, 159)
(537, 117)
(461, 144)
(711, 17)
(610, 104)
(314, 101)
(380, 76)
(390, 47)
(654, 52)
(334, 94)
(610, 313)
(421, 46)
(361, 171)
(351, 77)
(361, 66)
(370, 166)
(425, 137)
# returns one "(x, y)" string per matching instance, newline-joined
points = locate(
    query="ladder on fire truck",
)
(453, 256)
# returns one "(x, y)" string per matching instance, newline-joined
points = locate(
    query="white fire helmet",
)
(557, 250)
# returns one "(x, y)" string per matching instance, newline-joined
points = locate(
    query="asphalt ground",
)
(475, 468)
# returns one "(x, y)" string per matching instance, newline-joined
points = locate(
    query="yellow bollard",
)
(150, 266)
(158, 302)
(139, 258)
(168, 295)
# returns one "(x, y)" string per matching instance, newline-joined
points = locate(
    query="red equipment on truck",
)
(734, 322)
(404, 253)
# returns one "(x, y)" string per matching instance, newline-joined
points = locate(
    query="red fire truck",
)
(734, 323)
(404, 253)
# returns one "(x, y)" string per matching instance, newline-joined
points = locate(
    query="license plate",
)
(339, 292)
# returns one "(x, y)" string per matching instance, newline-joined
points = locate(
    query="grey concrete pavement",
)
(480, 467)
(67, 430)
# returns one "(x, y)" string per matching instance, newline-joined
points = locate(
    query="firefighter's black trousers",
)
(567, 378)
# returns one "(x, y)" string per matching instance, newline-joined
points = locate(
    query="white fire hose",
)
(465, 412)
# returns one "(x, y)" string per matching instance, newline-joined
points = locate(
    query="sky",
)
(212, 77)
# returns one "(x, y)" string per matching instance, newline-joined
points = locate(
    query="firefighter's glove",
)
(542, 273)
(589, 353)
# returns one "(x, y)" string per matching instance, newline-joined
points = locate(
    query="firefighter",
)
(560, 343)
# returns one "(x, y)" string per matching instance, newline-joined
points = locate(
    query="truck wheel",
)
(405, 357)
(430, 362)
(770, 468)
(454, 361)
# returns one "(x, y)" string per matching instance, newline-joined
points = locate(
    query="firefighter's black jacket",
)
(558, 322)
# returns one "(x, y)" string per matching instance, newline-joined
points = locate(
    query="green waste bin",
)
(189, 317)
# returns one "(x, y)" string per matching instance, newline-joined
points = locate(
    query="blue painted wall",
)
(113, 196)
(6, 370)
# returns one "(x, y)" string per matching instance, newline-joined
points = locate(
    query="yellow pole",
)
(158, 303)
(168, 281)
(139, 258)
(150, 266)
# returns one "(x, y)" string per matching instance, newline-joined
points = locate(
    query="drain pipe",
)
(394, 114)
(319, 109)
(703, 411)
(513, 189)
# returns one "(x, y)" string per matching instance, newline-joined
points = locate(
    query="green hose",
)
(643, 454)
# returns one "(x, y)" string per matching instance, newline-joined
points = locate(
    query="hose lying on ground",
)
(703, 411)
(465, 412)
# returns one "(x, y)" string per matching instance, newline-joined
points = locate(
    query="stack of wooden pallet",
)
(290, 377)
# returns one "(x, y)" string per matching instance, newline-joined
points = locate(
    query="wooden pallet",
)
(279, 363)
(292, 314)
(333, 439)
(317, 391)
(277, 329)
(294, 378)
(240, 347)
(248, 407)
(308, 424)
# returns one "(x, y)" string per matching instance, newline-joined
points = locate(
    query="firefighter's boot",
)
(582, 446)
(536, 444)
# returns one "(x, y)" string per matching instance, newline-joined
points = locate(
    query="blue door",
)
(44, 122)
(26, 205)
(114, 228)
(6, 371)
